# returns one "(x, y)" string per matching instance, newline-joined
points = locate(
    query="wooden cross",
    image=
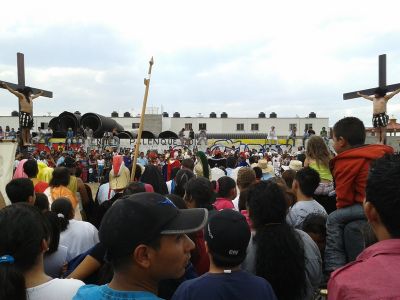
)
(21, 78)
(382, 82)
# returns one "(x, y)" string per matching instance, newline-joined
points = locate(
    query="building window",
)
(254, 127)
(44, 125)
(135, 125)
(188, 126)
(202, 126)
(291, 126)
(308, 126)
(240, 127)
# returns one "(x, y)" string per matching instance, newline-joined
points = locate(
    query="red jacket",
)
(350, 172)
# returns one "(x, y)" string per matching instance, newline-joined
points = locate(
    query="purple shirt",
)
(374, 275)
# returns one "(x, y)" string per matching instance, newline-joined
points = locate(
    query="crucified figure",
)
(25, 97)
(379, 118)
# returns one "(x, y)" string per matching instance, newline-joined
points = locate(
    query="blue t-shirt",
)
(95, 292)
(221, 286)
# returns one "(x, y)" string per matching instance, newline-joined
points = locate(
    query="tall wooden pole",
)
(139, 134)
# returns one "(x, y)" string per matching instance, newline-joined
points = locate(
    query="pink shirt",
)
(374, 275)
(223, 203)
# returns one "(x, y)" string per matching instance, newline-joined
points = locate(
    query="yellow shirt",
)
(323, 171)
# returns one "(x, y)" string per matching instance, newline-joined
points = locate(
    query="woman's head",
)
(226, 187)
(199, 193)
(267, 203)
(60, 177)
(64, 210)
(24, 243)
(317, 150)
(181, 179)
(152, 175)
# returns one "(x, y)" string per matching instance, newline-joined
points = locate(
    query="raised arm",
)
(16, 93)
(37, 95)
(365, 96)
(387, 97)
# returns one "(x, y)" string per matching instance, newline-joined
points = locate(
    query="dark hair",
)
(315, 223)
(31, 168)
(288, 176)
(134, 188)
(63, 208)
(152, 175)
(351, 129)
(177, 200)
(225, 185)
(383, 191)
(19, 190)
(188, 163)
(54, 231)
(22, 240)
(199, 189)
(181, 179)
(42, 202)
(231, 162)
(174, 171)
(258, 172)
(26, 91)
(280, 253)
(60, 177)
(308, 180)
(138, 172)
(381, 92)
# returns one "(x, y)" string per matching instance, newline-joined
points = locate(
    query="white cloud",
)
(291, 57)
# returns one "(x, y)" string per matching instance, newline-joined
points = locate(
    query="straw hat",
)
(265, 166)
(294, 164)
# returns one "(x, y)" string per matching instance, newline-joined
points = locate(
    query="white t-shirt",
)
(57, 289)
(54, 262)
(100, 162)
(104, 193)
(79, 237)
(301, 209)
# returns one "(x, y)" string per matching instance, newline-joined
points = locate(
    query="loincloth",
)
(380, 120)
(25, 120)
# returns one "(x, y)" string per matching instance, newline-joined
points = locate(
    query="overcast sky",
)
(241, 57)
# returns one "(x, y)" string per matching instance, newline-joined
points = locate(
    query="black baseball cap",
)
(228, 235)
(139, 218)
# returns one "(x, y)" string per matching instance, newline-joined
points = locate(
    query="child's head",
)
(306, 181)
(315, 226)
(348, 133)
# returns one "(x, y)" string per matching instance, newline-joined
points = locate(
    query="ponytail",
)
(63, 208)
(12, 282)
(23, 230)
(280, 260)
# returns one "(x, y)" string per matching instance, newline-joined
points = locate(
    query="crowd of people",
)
(219, 224)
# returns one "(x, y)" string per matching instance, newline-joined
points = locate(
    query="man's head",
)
(380, 92)
(145, 236)
(21, 190)
(306, 181)
(382, 203)
(31, 168)
(348, 133)
(227, 235)
(187, 164)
